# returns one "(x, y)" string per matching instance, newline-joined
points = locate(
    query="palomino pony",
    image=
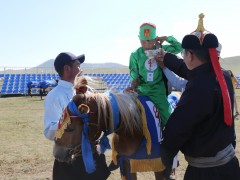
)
(135, 147)
(88, 115)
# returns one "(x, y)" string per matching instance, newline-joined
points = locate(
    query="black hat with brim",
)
(65, 58)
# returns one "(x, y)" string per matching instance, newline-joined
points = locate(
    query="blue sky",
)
(105, 30)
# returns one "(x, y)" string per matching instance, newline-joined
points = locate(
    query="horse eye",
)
(69, 129)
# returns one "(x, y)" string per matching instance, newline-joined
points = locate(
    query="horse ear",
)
(82, 89)
(83, 109)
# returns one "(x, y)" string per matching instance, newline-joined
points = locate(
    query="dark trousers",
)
(229, 171)
(76, 170)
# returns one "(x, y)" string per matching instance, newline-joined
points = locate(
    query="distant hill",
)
(50, 64)
(232, 63)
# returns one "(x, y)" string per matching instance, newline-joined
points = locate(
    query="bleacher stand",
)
(116, 82)
(18, 83)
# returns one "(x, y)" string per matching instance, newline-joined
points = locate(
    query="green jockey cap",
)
(147, 31)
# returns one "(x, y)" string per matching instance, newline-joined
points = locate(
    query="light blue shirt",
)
(177, 82)
(55, 103)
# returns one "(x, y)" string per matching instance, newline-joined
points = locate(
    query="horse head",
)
(68, 137)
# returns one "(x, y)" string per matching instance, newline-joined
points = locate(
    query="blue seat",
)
(3, 91)
(23, 91)
(15, 91)
(16, 86)
(4, 85)
(22, 84)
(9, 91)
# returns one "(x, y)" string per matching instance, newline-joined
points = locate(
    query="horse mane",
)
(130, 114)
(105, 112)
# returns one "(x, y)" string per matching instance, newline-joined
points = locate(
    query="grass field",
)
(26, 154)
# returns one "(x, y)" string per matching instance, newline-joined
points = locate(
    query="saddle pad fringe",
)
(146, 132)
(146, 165)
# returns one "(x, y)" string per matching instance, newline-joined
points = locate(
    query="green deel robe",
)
(150, 76)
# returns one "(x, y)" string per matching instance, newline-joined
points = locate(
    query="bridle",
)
(76, 151)
(99, 131)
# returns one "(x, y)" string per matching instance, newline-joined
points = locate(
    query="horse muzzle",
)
(65, 154)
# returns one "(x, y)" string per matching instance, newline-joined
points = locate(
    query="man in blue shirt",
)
(67, 66)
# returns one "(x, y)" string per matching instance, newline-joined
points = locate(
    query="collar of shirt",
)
(65, 84)
(200, 70)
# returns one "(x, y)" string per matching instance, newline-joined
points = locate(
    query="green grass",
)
(24, 151)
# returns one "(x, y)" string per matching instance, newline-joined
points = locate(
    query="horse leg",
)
(159, 175)
(133, 176)
(126, 172)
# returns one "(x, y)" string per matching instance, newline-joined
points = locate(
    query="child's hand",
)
(133, 87)
(161, 39)
(134, 83)
(131, 90)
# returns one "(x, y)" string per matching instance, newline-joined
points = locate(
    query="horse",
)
(88, 116)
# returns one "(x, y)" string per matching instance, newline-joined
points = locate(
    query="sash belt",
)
(221, 158)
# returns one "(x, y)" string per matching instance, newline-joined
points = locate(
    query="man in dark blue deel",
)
(201, 125)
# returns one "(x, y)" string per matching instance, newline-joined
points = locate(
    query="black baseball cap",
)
(65, 58)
